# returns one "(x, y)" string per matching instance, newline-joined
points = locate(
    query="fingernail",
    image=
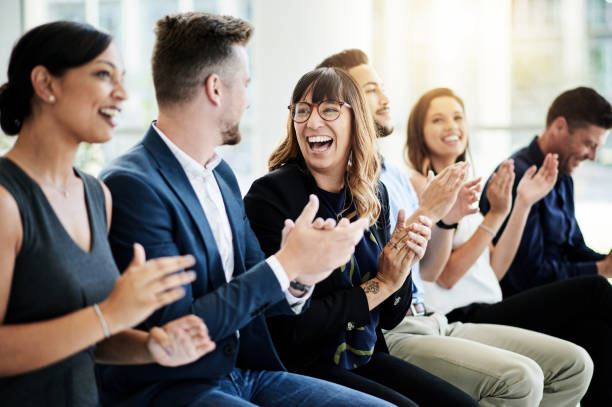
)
(189, 257)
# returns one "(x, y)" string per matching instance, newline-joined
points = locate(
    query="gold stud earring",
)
(51, 98)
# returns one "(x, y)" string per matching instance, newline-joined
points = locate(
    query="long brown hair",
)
(361, 175)
(416, 152)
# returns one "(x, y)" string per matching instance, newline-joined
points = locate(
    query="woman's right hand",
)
(441, 191)
(144, 287)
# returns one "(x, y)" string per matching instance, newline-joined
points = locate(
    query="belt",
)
(416, 310)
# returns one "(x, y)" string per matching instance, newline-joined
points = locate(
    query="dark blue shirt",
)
(552, 247)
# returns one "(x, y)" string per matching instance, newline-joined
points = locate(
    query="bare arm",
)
(29, 346)
(463, 257)
(532, 187)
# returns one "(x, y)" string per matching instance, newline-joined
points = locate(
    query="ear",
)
(212, 89)
(559, 125)
(42, 83)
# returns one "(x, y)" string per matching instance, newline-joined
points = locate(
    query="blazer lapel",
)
(177, 181)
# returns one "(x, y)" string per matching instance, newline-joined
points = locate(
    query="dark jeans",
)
(578, 310)
(396, 381)
(244, 387)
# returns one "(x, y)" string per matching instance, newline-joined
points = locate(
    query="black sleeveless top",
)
(52, 277)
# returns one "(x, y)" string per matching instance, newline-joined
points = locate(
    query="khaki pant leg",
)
(493, 376)
(567, 367)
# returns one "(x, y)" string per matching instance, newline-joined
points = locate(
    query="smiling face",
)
(89, 97)
(444, 130)
(374, 91)
(325, 145)
(579, 145)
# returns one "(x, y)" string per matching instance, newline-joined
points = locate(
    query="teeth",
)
(108, 112)
(451, 138)
(319, 139)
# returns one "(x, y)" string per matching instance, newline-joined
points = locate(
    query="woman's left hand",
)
(179, 342)
(419, 235)
(499, 189)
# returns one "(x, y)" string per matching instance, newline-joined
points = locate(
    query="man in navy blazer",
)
(173, 194)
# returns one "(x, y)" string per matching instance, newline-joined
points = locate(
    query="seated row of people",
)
(369, 288)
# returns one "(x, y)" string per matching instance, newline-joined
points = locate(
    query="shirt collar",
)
(535, 152)
(191, 167)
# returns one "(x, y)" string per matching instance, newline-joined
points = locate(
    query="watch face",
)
(299, 286)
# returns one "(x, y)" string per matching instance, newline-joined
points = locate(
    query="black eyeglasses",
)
(329, 110)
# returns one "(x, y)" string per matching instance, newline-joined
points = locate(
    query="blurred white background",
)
(506, 59)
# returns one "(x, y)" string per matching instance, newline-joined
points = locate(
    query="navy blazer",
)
(155, 205)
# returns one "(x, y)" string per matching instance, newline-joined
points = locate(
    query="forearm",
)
(504, 251)
(125, 348)
(26, 347)
(376, 292)
(437, 254)
(463, 257)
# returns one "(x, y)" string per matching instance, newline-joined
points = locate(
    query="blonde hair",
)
(363, 166)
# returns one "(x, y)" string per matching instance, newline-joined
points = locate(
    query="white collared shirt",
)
(207, 190)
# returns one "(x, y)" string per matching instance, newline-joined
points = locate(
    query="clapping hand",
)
(464, 205)
(405, 247)
(308, 253)
(441, 191)
(499, 189)
(532, 188)
(179, 342)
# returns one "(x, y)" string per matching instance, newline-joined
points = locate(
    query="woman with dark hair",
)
(461, 274)
(62, 302)
(330, 151)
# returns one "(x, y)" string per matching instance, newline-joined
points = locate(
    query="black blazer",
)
(299, 339)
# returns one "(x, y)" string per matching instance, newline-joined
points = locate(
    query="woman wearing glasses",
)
(64, 88)
(330, 151)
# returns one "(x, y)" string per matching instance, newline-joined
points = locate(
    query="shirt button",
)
(228, 350)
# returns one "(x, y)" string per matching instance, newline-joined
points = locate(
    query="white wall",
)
(10, 21)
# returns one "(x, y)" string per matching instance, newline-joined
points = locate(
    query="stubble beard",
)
(231, 136)
(383, 131)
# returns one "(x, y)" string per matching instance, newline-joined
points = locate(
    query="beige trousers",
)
(497, 365)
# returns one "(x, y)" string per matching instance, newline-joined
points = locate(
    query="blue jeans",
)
(244, 387)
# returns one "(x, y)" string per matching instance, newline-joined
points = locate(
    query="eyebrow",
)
(442, 114)
(370, 84)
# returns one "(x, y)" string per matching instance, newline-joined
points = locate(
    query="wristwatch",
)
(443, 225)
(299, 286)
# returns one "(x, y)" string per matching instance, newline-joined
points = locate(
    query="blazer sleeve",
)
(140, 214)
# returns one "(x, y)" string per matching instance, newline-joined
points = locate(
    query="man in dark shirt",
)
(552, 247)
